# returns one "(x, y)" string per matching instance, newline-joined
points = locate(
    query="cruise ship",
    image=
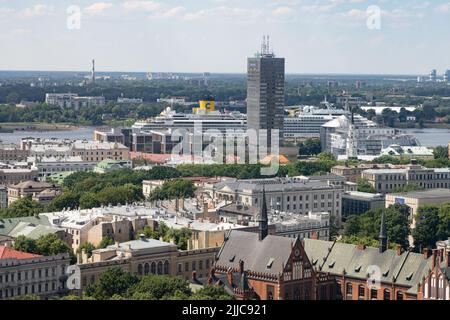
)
(170, 120)
(306, 121)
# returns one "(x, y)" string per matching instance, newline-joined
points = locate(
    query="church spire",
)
(383, 234)
(263, 219)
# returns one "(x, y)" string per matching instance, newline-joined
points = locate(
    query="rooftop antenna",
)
(268, 44)
(93, 71)
(263, 46)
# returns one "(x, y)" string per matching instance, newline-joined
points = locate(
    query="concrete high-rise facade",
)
(265, 93)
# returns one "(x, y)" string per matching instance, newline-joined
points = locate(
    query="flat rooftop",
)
(426, 194)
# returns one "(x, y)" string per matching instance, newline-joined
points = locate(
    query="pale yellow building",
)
(416, 199)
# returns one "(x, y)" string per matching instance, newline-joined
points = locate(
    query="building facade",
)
(96, 151)
(387, 180)
(355, 203)
(299, 196)
(265, 93)
(29, 274)
(29, 188)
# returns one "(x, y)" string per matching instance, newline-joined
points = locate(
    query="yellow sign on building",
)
(205, 106)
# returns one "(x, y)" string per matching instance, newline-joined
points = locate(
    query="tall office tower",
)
(265, 92)
(447, 76)
(433, 75)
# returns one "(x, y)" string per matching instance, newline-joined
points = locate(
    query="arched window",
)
(399, 295)
(146, 269)
(153, 268)
(433, 288)
(441, 292)
(387, 294)
(166, 267)
(349, 289)
(160, 267)
(361, 292)
(140, 269)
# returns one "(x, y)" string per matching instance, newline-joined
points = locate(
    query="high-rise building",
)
(265, 92)
(447, 76)
(433, 75)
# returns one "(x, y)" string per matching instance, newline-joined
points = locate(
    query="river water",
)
(431, 137)
(80, 133)
(427, 137)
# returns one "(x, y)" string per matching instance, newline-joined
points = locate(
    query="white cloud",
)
(222, 12)
(38, 10)
(136, 5)
(97, 8)
(443, 8)
(283, 12)
(170, 13)
(6, 11)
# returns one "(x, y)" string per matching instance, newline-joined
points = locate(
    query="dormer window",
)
(358, 269)
(270, 263)
(232, 258)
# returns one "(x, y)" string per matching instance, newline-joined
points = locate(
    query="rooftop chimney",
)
(399, 250)
(241, 266)
(434, 258)
(426, 253)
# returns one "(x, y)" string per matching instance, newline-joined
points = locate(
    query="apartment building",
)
(52, 165)
(11, 174)
(31, 188)
(3, 197)
(30, 274)
(72, 100)
(386, 180)
(144, 257)
(296, 195)
(11, 153)
(96, 151)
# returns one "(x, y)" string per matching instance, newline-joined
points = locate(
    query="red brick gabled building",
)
(436, 285)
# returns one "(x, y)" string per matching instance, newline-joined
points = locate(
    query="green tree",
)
(106, 241)
(115, 281)
(160, 286)
(310, 147)
(24, 244)
(87, 247)
(210, 292)
(440, 152)
(88, 200)
(67, 200)
(363, 185)
(427, 224)
(23, 207)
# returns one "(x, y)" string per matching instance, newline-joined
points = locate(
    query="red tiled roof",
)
(9, 253)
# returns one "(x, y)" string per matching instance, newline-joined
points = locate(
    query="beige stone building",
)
(12, 152)
(12, 175)
(386, 180)
(143, 257)
(98, 151)
(299, 196)
(33, 189)
(416, 199)
(29, 274)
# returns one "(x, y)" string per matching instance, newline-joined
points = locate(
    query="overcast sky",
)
(315, 36)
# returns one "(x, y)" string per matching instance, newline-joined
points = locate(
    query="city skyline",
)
(315, 37)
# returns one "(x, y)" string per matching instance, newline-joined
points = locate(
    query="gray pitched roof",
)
(406, 269)
(266, 256)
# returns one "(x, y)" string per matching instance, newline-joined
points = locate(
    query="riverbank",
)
(37, 126)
